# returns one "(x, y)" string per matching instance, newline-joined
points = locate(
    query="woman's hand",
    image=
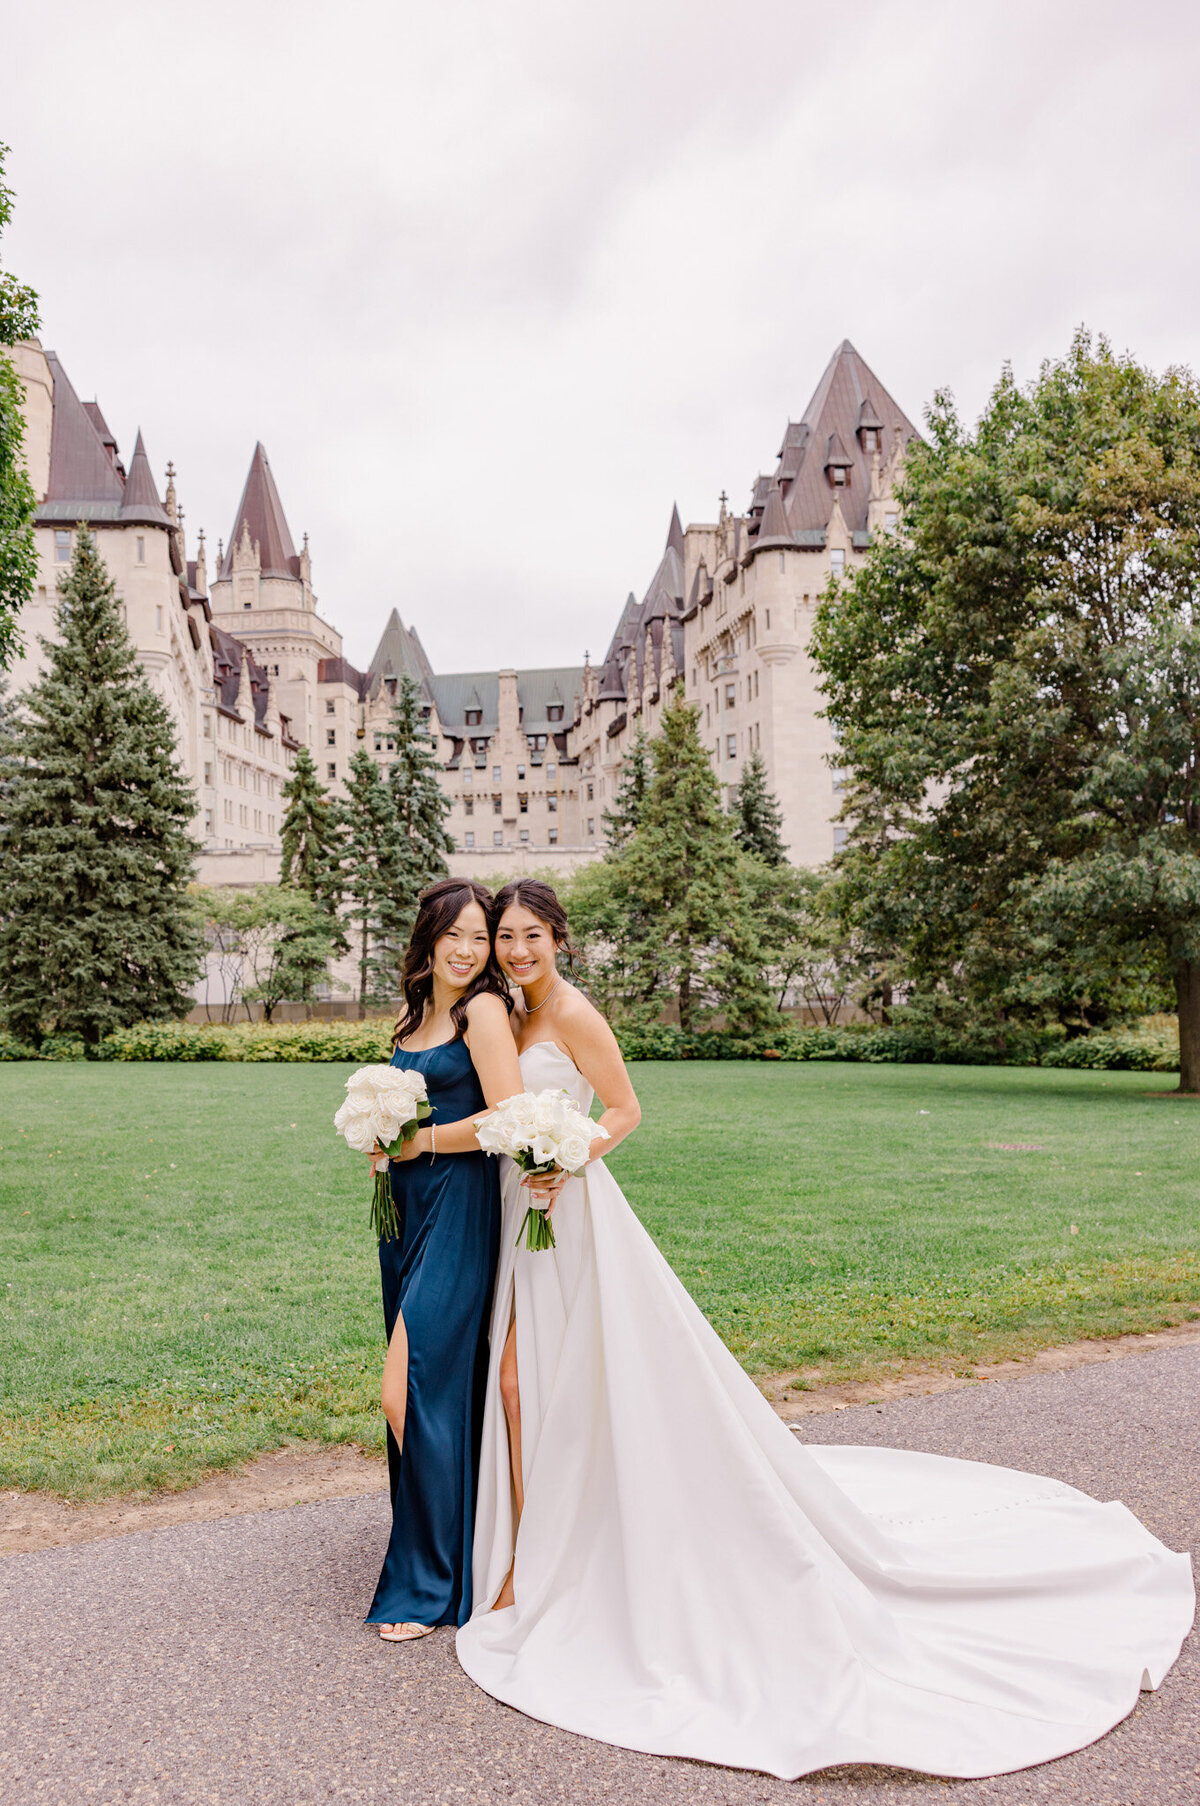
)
(418, 1144)
(544, 1188)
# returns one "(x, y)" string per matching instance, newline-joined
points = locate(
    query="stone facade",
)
(531, 759)
(730, 606)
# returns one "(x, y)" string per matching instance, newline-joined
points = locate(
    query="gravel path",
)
(225, 1662)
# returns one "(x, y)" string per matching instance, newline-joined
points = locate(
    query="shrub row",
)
(1122, 1050)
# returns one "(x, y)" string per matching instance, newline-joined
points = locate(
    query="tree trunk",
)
(1187, 996)
(362, 974)
(685, 1002)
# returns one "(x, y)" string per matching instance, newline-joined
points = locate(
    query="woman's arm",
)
(593, 1047)
(494, 1057)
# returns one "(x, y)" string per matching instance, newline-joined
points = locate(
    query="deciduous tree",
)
(18, 560)
(1016, 681)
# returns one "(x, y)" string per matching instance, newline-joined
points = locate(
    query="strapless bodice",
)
(545, 1065)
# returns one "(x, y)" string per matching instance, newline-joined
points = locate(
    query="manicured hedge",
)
(1121, 1050)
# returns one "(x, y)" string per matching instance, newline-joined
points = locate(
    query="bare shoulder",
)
(579, 1016)
(485, 1010)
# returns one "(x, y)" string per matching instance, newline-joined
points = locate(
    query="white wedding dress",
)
(692, 1581)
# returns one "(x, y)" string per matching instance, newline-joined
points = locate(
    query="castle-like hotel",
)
(530, 759)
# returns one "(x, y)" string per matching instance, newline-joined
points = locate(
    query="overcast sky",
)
(497, 282)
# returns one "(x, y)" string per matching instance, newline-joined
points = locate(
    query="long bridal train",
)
(691, 1581)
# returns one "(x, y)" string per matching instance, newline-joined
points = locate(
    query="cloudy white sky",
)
(495, 282)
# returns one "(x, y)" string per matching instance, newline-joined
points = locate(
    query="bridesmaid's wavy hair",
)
(438, 908)
(540, 900)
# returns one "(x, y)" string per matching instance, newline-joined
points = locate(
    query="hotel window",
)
(520, 774)
(890, 522)
(243, 816)
(208, 727)
(208, 821)
(554, 712)
(468, 805)
(330, 707)
(552, 771)
(552, 804)
(331, 736)
(141, 550)
(474, 717)
(524, 834)
(840, 837)
(591, 824)
(590, 793)
(496, 805)
(495, 774)
(840, 475)
(730, 695)
(274, 670)
(258, 819)
(552, 837)
(870, 439)
(837, 561)
(498, 837)
(331, 770)
(158, 622)
(468, 839)
(523, 803)
(208, 775)
(62, 547)
(379, 743)
(391, 745)
(731, 746)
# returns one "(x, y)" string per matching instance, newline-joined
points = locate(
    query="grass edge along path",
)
(163, 1319)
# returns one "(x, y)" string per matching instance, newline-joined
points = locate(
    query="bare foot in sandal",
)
(405, 1633)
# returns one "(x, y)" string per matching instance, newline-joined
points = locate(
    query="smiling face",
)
(525, 946)
(461, 953)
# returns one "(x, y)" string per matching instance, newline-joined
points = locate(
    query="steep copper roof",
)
(848, 399)
(92, 410)
(399, 654)
(261, 512)
(141, 503)
(228, 656)
(774, 528)
(84, 482)
(341, 671)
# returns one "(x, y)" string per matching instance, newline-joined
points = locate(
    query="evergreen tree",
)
(693, 929)
(18, 559)
(97, 931)
(310, 848)
(379, 878)
(416, 790)
(622, 821)
(758, 819)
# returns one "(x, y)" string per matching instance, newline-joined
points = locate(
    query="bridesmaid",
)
(439, 1271)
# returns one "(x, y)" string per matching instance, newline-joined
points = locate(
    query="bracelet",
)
(432, 1142)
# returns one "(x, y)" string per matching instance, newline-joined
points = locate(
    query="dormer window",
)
(554, 712)
(840, 475)
(870, 439)
(474, 717)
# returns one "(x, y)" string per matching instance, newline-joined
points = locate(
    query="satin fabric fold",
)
(692, 1581)
(439, 1272)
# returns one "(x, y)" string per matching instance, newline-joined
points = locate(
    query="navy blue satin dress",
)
(439, 1272)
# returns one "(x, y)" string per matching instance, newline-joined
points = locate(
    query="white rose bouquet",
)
(543, 1132)
(384, 1105)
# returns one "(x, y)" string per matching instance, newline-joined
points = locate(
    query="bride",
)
(659, 1564)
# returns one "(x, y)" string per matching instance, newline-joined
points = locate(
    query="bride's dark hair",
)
(438, 908)
(540, 900)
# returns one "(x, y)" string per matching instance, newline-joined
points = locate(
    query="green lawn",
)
(186, 1276)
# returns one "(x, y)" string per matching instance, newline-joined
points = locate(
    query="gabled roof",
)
(260, 511)
(831, 422)
(399, 654)
(229, 654)
(84, 482)
(141, 503)
(537, 691)
(774, 528)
